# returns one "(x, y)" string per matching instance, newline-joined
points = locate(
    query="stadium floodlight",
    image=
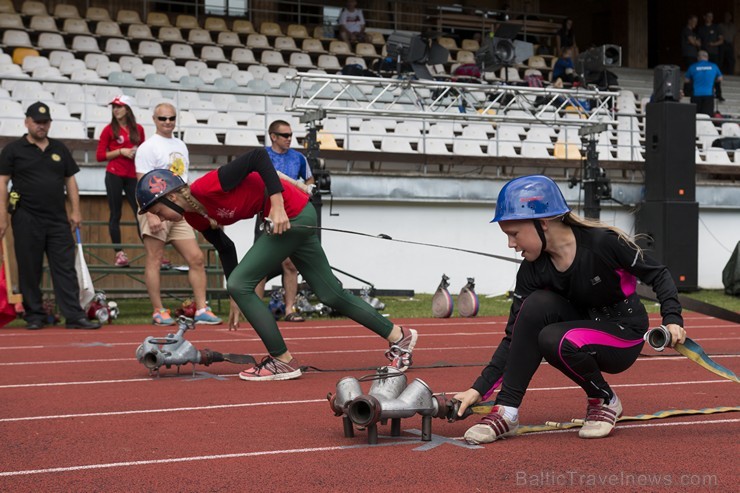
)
(495, 53)
(501, 49)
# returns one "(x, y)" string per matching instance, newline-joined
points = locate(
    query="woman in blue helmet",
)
(574, 305)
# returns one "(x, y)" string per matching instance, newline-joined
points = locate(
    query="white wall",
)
(393, 265)
(719, 232)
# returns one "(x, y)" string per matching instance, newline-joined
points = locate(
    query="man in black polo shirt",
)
(42, 169)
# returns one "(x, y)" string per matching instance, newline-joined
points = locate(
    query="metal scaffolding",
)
(405, 99)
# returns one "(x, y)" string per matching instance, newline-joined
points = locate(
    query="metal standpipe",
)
(388, 398)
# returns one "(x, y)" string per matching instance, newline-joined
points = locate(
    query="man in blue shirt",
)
(294, 165)
(286, 160)
(703, 75)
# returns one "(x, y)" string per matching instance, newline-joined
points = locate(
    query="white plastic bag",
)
(87, 291)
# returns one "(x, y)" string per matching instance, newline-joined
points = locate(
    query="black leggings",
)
(549, 327)
(115, 186)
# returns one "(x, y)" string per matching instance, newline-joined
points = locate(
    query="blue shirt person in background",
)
(703, 74)
(294, 165)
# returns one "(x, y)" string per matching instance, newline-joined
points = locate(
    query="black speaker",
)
(667, 83)
(673, 228)
(670, 162)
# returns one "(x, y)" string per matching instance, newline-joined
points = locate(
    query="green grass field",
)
(138, 311)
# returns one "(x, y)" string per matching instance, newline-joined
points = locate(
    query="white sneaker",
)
(272, 369)
(601, 418)
(491, 428)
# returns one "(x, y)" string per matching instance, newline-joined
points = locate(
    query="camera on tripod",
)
(322, 177)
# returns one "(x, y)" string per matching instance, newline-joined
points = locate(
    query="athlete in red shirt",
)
(249, 186)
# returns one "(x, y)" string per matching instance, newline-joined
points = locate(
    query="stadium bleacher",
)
(211, 71)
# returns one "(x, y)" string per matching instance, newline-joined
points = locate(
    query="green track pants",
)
(304, 249)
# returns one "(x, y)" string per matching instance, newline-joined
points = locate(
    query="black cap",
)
(39, 112)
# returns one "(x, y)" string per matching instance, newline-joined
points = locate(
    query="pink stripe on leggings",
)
(584, 336)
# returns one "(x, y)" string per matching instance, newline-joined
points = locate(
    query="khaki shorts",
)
(172, 231)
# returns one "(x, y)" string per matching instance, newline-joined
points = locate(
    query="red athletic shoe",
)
(121, 259)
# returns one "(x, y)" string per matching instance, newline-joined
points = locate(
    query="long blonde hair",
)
(573, 219)
(197, 206)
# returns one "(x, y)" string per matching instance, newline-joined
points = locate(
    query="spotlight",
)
(494, 54)
(502, 50)
(417, 50)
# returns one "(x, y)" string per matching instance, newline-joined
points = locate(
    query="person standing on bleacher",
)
(118, 143)
(42, 170)
(704, 76)
(165, 151)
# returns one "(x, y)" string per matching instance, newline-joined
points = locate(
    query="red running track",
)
(79, 413)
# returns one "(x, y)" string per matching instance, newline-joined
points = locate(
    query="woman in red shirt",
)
(118, 143)
(249, 186)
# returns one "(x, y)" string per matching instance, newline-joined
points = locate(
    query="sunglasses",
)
(166, 118)
(285, 136)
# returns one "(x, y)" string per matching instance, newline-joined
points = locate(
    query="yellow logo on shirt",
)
(56, 157)
(177, 163)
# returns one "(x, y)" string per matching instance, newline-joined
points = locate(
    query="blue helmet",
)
(529, 197)
(154, 186)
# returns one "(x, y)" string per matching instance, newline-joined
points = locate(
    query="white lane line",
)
(240, 455)
(310, 401)
(61, 384)
(164, 410)
(257, 339)
(175, 460)
(146, 329)
(653, 359)
(316, 338)
(339, 351)
(61, 362)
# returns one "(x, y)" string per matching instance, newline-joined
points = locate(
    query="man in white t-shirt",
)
(163, 150)
(352, 23)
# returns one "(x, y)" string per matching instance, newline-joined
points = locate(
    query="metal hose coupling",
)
(175, 350)
(658, 337)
